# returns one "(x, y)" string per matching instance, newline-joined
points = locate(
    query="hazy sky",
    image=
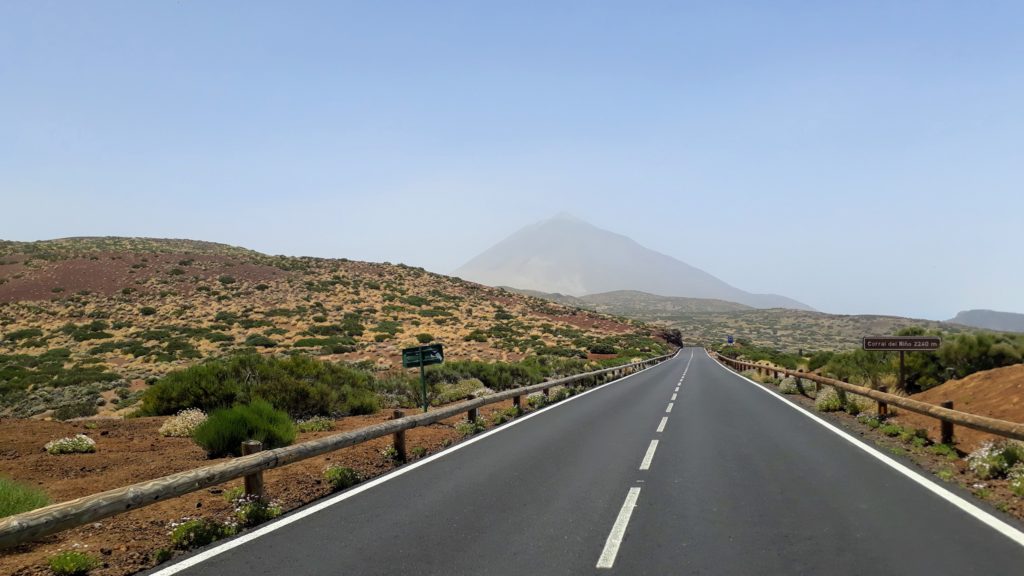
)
(865, 158)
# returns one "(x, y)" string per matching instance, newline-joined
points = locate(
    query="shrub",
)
(828, 400)
(891, 430)
(502, 416)
(424, 338)
(995, 459)
(183, 424)
(945, 450)
(252, 511)
(468, 428)
(856, 404)
(147, 310)
(76, 410)
(225, 430)
(315, 424)
(788, 386)
(198, 533)
(418, 451)
(1016, 478)
(225, 279)
(72, 563)
(260, 341)
(340, 478)
(301, 385)
(78, 444)
(16, 498)
(537, 401)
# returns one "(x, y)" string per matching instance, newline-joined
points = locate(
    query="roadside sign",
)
(901, 343)
(422, 356)
(729, 339)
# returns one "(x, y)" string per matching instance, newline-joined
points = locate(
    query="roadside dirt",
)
(132, 450)
(995, 393)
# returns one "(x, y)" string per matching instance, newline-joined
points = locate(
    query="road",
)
(684, 468)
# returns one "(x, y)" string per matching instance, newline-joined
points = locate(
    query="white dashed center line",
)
(661, 426)
(646, 464)
(611, 545)
(669, 409)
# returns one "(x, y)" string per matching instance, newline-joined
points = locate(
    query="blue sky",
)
(863, 157)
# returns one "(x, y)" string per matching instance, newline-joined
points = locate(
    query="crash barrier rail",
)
(55, 518)
(943, 413)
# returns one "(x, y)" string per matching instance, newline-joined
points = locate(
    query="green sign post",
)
(422, 356)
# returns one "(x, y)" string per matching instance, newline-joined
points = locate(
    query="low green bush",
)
(76, 410)
(468, 428)
(301, 385)
(502, 416)
(252, 511)
(828, 400)
(945, 450)
(72, 563)
(891, 430)
(198, 533)
(224, 430)
(315, 424)
(16, 497)
(77, 444)
(341, 478)
(995, 459)
(788, 386)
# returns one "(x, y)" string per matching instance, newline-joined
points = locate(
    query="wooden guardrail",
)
(944, 413)
(27, 526)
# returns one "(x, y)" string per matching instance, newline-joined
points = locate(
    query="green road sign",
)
(419, 357)
(422, 356)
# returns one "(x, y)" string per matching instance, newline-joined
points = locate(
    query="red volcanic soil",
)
(108, 273)
(130, 451)
(997, 393)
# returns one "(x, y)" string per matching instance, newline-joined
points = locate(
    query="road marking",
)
(611, 545)
(661, 426)
(977, 513)
(318, 506)
(677, 389)
(669, 409)
(646, 464)
(674, 396)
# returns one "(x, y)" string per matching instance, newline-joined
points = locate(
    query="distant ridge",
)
(991, 320)
(569, 256)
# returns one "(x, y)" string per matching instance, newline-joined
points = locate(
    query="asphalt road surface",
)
(684, 468)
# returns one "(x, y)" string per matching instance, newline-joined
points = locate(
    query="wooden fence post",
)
(947, 427)
(517, 402)
(883, 408)
(471, 415)
(253, 482)
(547, 393)
(400, 439)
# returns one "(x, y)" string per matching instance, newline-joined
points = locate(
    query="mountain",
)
(566, 255)
(80, 317)
(709, 322)
(991, 320)
(635, 304)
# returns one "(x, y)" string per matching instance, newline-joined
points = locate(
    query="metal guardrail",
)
(55, 518)
(943, 413)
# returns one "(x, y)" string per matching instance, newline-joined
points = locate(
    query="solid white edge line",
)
(661, 426)
(669, 409)
(977, 513)
(611, 545)
(314, 508)
(649, 456)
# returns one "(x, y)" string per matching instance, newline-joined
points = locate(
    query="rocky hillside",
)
(88, 317)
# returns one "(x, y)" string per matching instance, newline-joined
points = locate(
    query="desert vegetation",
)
(135, 310)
